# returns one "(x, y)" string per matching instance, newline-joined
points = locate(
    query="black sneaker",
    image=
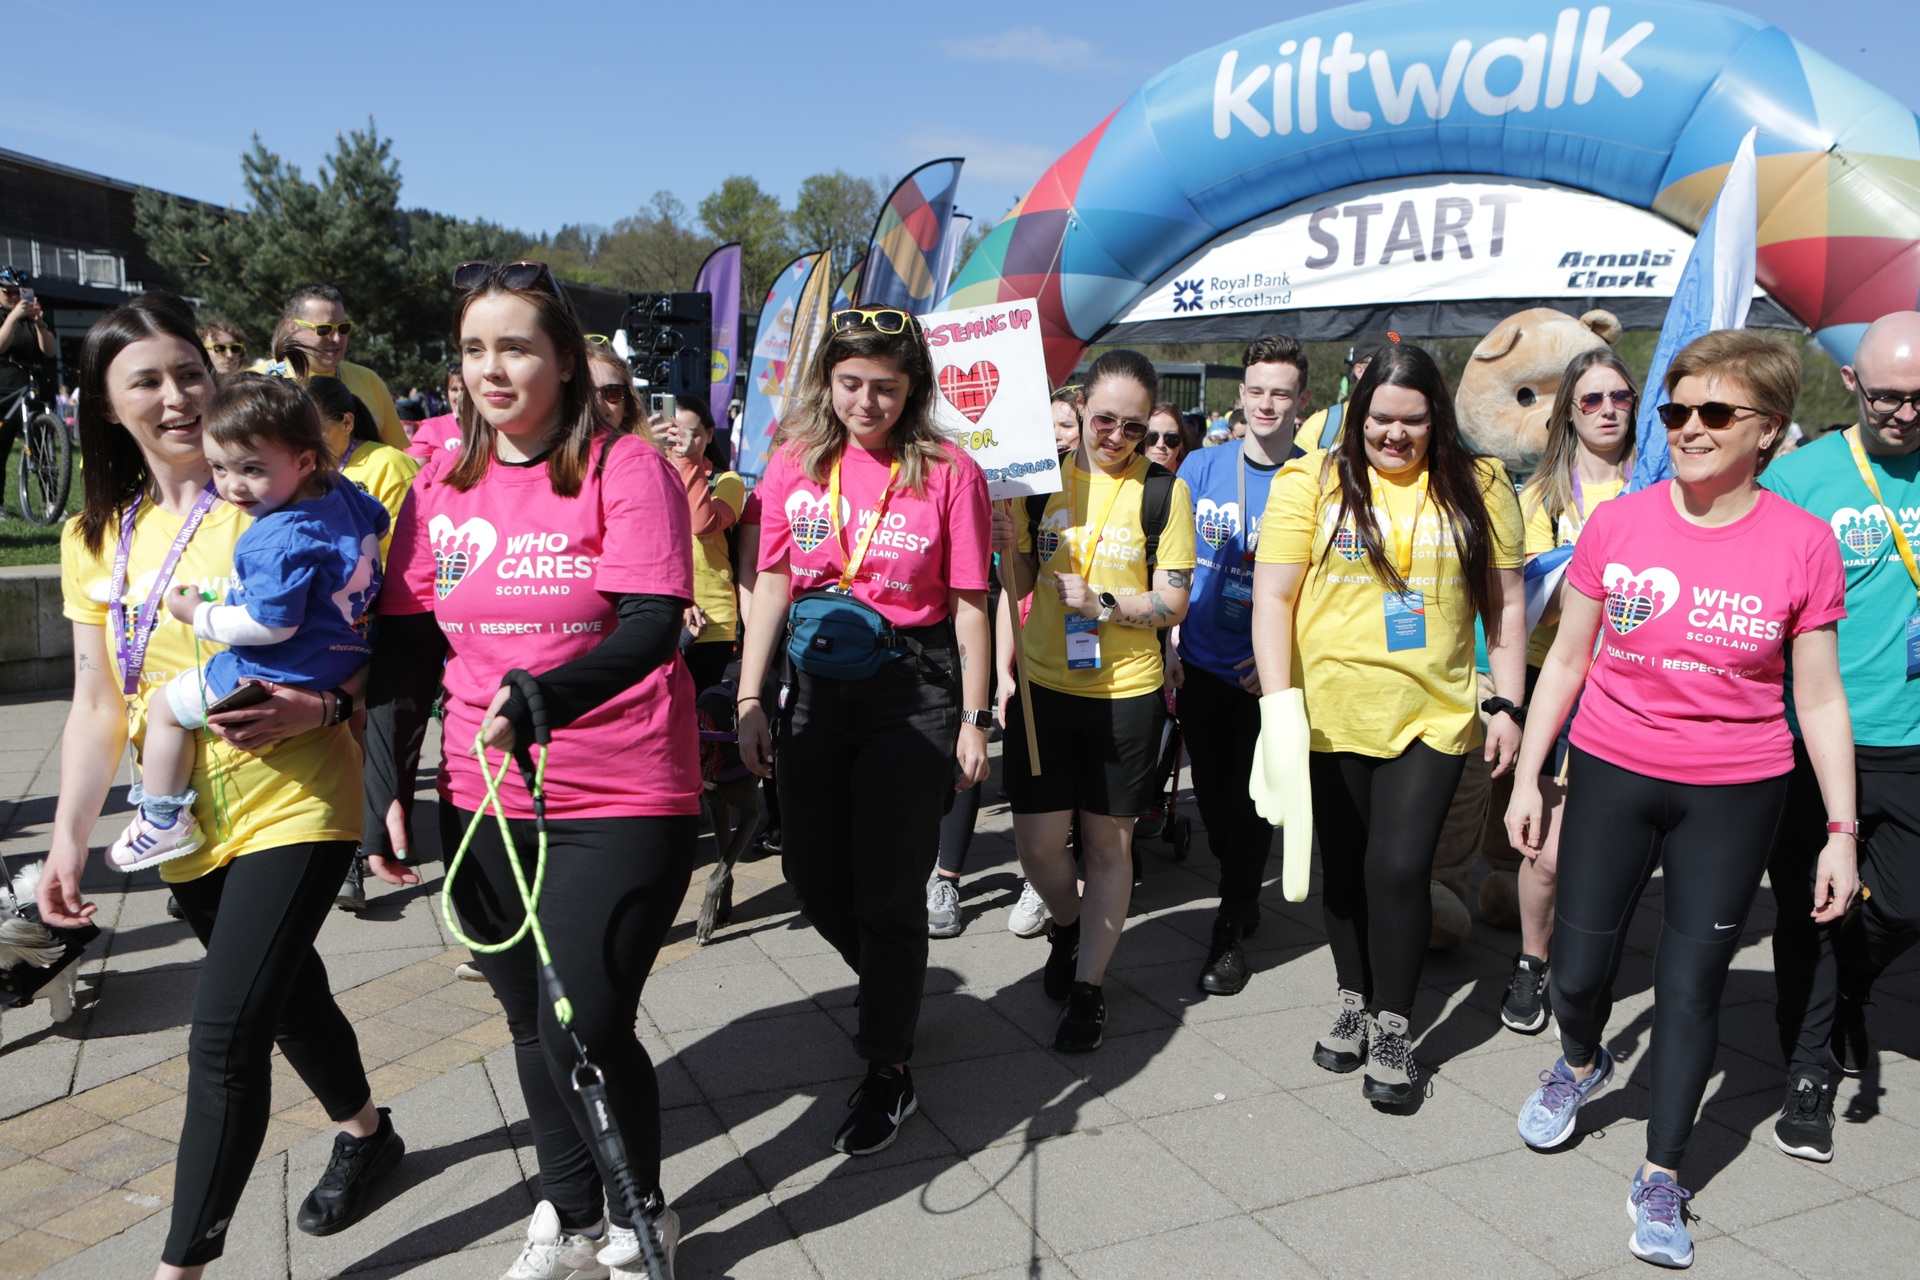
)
(353, 890)
(1805, 1126)
(340, 1197)
(1083, 1024)
(1225, 973)
(1525, 1008)
(880, 1106)
(1063, 959)
(1849, 1037)
(173, 908)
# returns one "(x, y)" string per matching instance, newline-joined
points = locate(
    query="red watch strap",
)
(1843, 828)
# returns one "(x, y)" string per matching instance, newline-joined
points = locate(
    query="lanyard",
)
(1249, 536)
(861, 543)
(1893, 522)
(1084, 554)
(133, 653)
(1402, 547)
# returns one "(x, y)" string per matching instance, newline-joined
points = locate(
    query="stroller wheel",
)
(1180, 837)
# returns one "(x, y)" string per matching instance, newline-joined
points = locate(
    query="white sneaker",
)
(943, 907)
(1030, 914)
(143, 844)
(622, 1251)
(553, 1254)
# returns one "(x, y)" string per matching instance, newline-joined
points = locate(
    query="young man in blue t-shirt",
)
(1865, 481)
(1213, 664)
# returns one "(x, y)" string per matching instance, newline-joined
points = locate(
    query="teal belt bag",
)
(833, 636)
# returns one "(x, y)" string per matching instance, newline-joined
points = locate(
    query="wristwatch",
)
(1108, 603)
(978, 719)
(1494, 706)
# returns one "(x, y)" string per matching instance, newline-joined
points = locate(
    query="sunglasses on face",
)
(1167, 439)
(1591, 402)
(1714, 416)
(1106, 424)
(1888, 403)
(612, 392)
(344, 328)
(227, 348)
(887, 320)
(469, 276)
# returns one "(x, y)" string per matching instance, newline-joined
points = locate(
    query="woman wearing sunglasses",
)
(549, 544)
(614, 399)
(1587, 461)
(1108, 561)
(1166, 439)
(873, 539)
(1374, 560)
(1680, 748)
(225, 344)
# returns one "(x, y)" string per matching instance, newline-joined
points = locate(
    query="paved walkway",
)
(1199, 1140)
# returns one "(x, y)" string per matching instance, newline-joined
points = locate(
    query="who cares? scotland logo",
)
(1188, 295)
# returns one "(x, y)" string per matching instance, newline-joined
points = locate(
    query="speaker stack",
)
(670, 342)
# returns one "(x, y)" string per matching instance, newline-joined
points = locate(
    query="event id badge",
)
(1083, 643)
(1233, 611)
(1913, 646)
(1406, 621)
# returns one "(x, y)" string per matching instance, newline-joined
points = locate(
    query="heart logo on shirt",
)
(1217, 524)
(1346, 540)
(1637, 597)
(809, 518)
(458, 550)
(1862, 533)
(971, 391)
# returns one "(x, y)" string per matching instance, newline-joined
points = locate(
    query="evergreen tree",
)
(741, 211)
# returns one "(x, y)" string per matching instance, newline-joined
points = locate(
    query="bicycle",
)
(46, 457)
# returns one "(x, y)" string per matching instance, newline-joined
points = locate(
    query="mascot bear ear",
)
(1605, 325)
(1504, 337)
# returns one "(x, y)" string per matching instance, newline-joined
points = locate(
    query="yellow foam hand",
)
(1279, 785)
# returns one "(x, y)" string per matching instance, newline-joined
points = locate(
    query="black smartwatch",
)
(1494, 706)
(342, 706)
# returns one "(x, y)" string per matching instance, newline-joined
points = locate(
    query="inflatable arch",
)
(1643, 103)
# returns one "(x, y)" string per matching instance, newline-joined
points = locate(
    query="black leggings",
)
(1220, 723)
(1379, 822)
(1711, 843)
(613, 886)
(956, 829)
(262, 983)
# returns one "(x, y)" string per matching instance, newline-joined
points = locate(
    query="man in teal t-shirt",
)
(1824, 973)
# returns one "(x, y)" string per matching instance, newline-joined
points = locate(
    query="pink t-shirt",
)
(517, 577)
(433, 436)
(930, 544)
(1693, 645)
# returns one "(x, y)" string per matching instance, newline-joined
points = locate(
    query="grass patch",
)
(23, 543)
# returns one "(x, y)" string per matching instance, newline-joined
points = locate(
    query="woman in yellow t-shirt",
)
(1091, 648)
(1374, 561)
(1587, 460)
(380, 470)
(279, 797)
(714, 499)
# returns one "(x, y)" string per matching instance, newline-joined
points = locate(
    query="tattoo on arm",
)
(963, 657)
(1158, 613)
(83, 664)
(1177, 579)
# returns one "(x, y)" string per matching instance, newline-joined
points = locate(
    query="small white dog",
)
(37, 960)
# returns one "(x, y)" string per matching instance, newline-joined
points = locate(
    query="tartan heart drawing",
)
(1217, 522)
(1637, 597)
(1862, 533)
(458, 550)
(970, 391)
(809, 519)
(1346, 540)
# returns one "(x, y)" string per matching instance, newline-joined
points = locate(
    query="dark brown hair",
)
(332, 397)
(255, 408)
(1454, 478)
(113, 471)
(579, 426)
(1277, 348)
(1551, 484)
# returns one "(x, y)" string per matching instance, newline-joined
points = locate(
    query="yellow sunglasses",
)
(887, 320)
(344, 328)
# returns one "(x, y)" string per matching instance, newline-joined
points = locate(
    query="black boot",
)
(1063, 959)
(1083, 1023)
(1225, 972)
(340, 1197)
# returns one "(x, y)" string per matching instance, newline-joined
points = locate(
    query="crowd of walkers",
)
(1718, 679)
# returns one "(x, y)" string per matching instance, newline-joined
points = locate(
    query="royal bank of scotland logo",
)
(1187, 294)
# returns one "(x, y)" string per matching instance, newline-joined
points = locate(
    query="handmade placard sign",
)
(994, 398)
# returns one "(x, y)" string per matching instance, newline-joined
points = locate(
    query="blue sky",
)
(540, 115)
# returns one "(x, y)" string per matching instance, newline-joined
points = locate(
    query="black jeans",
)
(866, 773)
(262, 983)
(1220, 724)
(1815, 963)
(613, 886)
(1379, 822)
(1711, 843)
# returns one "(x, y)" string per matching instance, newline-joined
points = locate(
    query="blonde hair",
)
(1765, 365)
(1551, 484)
(817, 437)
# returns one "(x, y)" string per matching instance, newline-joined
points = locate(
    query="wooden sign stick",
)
(1020, 649)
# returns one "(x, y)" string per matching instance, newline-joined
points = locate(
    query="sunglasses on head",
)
(599, 339)
(227, 348)
(1171, 439)
(469, 276)
(344, 328)
(1591, 402)
(1106, 423)
(888, 320)
(1714, 416)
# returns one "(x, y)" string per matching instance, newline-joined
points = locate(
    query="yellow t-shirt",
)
(366, 384)
(1361, 696)
(304, 788)
(386, 474)
(1544, 534)
(1129, 656)
(713, 569)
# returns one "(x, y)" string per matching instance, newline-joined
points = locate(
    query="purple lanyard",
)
(133, 655)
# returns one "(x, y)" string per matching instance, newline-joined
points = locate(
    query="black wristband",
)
(1494, 706)
(342, 706)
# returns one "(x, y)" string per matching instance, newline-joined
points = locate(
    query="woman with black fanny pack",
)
(872, 590)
